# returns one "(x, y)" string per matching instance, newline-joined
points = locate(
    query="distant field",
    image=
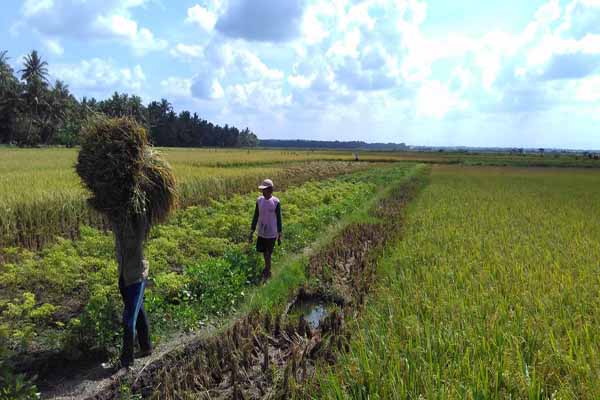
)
(494, 292)
(29, 174)
(41, 196)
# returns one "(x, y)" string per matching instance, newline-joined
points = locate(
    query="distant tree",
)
(31, 122)
(63, 118)
(10, 93)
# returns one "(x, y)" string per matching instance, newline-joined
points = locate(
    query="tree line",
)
(328, 144)
(33, 112)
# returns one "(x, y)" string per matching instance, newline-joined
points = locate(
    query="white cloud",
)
(142, 40)
(347, 46)
(589, 89)
(313, 30)
(32, 7)
(53, 46)
(253, 68)
(257, 96)
(90, 19)
(99, 76)
(299, 81)
(202, 17)
(435, 100)
(187, 51)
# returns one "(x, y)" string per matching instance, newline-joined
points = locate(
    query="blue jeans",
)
(135, 320)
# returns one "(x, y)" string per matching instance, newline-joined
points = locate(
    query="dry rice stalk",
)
(126, 177)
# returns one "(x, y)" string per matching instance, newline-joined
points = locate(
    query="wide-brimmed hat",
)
(267, 183)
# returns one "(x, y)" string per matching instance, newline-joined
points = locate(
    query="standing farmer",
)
(134, 188)
(267, 215)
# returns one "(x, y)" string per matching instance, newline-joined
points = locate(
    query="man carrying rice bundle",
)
(134, 188)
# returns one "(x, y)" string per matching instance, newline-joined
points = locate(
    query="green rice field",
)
(486, 285)
(493, 292)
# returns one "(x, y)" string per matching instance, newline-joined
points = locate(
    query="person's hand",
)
(250, 237)
(279, 237)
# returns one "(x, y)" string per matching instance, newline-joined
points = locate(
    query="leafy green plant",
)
(16, 386)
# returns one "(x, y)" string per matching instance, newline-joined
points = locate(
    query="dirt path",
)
(95, 378)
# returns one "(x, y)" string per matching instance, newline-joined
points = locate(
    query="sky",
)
(507, 73)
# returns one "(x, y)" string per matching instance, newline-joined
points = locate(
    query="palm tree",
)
(35, 70)
(5, 69)
(35, 75)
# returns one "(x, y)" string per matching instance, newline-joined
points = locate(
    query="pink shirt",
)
(267, 217)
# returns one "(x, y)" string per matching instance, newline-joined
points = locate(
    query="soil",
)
(83, 379)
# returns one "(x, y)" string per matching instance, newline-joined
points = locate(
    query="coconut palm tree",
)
(35, 70)
(35, 76)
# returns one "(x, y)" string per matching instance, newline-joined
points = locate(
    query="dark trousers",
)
(135, 320)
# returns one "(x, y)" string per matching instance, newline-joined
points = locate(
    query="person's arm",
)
(254, 219)
(279, 222)
(254, 222)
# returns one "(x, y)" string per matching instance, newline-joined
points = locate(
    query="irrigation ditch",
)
(269, 355)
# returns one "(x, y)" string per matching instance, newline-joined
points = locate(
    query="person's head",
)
(267, 188)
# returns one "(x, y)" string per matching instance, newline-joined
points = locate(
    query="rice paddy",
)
(493, 292)
(486, 286)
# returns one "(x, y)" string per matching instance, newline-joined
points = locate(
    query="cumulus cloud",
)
(262, 20)
(256, 96)
(201, 17)
(206, 87)
(252, 67)
(99, 76)
(91, 19)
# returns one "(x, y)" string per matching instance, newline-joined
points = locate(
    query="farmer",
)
(133, 272)
(267, 214)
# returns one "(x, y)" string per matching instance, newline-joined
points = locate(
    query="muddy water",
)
(314, 311)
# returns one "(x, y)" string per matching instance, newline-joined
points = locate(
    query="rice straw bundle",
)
(126, 177)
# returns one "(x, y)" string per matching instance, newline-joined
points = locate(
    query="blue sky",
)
(494, 73)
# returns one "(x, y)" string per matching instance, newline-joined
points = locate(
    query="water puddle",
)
(314, 311)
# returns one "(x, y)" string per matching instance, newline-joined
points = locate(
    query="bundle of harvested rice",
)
(158, 185)
(124, 174)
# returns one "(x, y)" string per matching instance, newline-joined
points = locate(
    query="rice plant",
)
(491, 293)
